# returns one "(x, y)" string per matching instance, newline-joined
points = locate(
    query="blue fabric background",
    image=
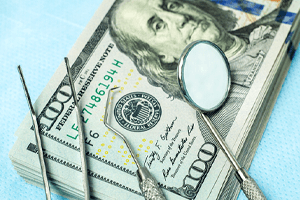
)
(38, 34)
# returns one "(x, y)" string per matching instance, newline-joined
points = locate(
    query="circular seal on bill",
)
(137, 111)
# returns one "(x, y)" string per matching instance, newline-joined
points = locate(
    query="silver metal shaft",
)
(37, 136)
(221, 143)
(84, 169)
(248, 185)
(147, 183)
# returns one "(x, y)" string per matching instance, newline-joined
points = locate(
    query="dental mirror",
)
(204, 75)
(204, 80)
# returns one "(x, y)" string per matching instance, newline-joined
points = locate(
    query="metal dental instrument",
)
(37, 136)
(204, 80)
(147, 183)
(86, 186)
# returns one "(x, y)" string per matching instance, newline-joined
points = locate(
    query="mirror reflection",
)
(204, 75)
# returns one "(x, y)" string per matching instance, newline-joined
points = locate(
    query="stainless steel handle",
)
(251, 190)
(149, 185)
(249, 186)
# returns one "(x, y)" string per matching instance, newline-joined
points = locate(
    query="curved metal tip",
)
(114, 88)
(117, 132)
(67, 62)
(107, 105)
(19, 68)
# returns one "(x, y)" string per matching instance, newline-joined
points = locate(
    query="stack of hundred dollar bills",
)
(135, 44)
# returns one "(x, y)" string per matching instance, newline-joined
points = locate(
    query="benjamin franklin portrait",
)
(153, 34)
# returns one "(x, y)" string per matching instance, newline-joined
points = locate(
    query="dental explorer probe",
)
(147, 183)
(37, 136)
(86, 186)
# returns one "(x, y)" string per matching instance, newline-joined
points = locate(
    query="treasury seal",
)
(137, 111)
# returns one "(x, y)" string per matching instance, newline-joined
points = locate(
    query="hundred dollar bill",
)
(135, 45)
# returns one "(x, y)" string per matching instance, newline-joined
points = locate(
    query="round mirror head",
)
(204, 75)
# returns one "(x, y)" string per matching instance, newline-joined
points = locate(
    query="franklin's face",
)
(168, 27)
